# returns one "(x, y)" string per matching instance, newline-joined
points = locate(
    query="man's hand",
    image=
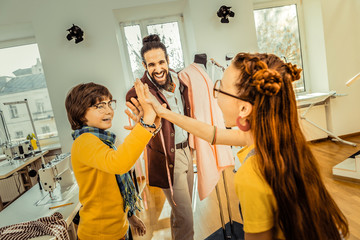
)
(136, 112)
(150, 99)
(138, 227)
(149, 113)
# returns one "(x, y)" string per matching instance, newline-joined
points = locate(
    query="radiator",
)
(11, 187)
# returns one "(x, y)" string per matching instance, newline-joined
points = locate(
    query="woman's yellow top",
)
(95, 164)
(257, 202)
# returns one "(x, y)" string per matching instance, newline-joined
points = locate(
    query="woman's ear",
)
(245, 109)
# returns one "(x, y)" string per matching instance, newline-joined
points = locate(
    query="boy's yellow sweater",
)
(102, 214)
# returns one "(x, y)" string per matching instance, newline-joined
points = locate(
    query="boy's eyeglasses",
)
(101, 107)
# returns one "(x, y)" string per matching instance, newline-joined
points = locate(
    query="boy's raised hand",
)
(136, 112)
(145, 98)
(149, 113)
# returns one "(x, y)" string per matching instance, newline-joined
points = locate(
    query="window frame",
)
(143, 23)
(18, 42)
(22, 41)
(258, 5)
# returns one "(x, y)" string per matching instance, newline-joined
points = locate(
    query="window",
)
(40, 107)
(13, 111)
(19, 134)
(22, 77)
(170, 33)
(277, 31)
(134, 44)
(45, 129)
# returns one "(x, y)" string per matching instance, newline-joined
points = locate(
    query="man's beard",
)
(163, 86)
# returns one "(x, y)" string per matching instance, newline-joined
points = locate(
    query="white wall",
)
(99, 58)
(342, 42)
(217, 39)
(316, 68)
(203, 31)
(145, 12)
(66, 64)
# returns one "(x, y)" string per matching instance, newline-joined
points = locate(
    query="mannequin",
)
(212, 158)
(200, 59)
(228, 58)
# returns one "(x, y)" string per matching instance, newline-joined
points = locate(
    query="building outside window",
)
(170, 33)
(22, 77)
(277, 31)
(45, 129)
(19, 134)
(40, 108)
(13, 111)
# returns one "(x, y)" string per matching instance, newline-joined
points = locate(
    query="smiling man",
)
(169, 161)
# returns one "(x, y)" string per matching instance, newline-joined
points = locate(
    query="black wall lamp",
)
(75, 32)
(224, 12)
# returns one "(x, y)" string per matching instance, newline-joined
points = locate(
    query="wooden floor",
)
(207, 214)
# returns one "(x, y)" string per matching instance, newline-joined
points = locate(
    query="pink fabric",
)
(211, 160)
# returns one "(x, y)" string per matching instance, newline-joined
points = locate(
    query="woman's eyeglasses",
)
(216, 91)
(101, 107)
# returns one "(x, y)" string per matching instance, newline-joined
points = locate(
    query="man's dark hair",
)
(80, 98)
(152, 42)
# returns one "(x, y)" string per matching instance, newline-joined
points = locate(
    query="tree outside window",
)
(277, 32)
(169, 34)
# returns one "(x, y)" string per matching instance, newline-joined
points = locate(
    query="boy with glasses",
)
(106, 190)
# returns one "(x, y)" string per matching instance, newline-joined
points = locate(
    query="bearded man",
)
(169, 161)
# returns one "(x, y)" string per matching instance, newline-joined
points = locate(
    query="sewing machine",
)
(57, 171)
(15, 150)
(9, 150)
(24, 149)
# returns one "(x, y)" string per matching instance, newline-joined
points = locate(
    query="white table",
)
(7, 168)
(24, 208)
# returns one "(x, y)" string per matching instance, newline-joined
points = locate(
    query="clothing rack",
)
(225, 183)
(217, 64)
(226, 236)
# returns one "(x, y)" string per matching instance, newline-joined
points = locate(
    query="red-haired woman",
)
(281, 193)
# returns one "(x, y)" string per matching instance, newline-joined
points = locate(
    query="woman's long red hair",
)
(306, 211)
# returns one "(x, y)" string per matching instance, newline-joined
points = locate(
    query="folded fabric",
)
(53, 225)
